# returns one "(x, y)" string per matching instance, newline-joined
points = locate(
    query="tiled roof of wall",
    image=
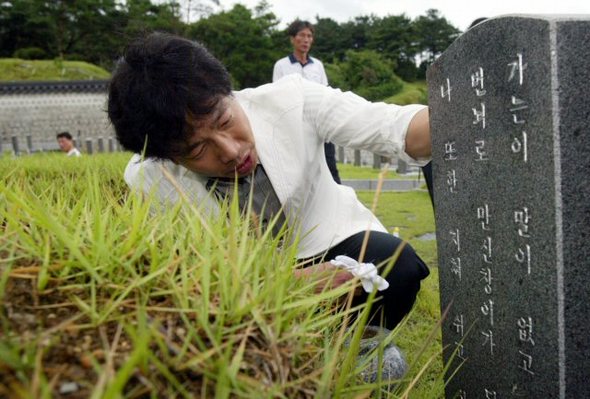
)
(71, 86)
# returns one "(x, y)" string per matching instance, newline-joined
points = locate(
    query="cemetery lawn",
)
(103, 296)
(411, 212)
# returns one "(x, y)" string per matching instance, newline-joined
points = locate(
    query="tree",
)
(23, 26)
(144, 16)
(242, 41)
(330, 41)
(434, 34)
(356, 32)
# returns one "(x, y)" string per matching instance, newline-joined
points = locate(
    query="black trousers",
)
(330, 151)
(404, 278)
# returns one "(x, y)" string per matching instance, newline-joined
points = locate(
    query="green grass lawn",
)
(412, 213)
(103, 290)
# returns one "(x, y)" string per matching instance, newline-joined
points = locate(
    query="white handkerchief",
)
(367, 272)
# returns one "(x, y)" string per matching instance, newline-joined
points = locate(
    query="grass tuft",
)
(108, 296)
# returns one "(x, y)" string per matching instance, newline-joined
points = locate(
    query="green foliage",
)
(369, 74)
(12, 69)
(30, 53)
(330, 40)
(412, 93)
(336, 76)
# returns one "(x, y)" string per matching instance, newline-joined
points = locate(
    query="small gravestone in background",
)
(510, 120)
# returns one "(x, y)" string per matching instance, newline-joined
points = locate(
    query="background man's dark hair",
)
(67, 135)
(476, 22)
(161, 86)
(297, 26)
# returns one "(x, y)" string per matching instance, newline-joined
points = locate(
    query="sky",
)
(460, 13)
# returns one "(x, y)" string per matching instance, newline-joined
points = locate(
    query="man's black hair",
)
(67, 135)
(161, 86)
(297, 26)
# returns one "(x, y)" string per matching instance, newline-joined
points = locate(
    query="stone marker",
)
(357, 158)
(15, 147)
(510, 120)
(89, 146)
(30, 148)
(402, 167)
(100, 143)
(340, 154)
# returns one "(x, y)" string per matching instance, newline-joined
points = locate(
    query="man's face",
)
(222, 144)
(302, 40)
(65, 144)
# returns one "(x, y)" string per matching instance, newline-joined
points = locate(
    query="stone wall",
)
(43, 109)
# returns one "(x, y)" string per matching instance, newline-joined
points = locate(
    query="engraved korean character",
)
(450, 151)
(456, 238)
(490, 394)
(487, 249)
(483, 214)
(487, 278)
(520, 145)
(452, 181)
(489, 340)
(521, 218)
(487, 309)
(477, 82)
(525, 330)
(526, 362)
(446, 91)
(480, 115)
(456, 266)
(482, 155)
(458, 324)
(516, 69)
(524, 256)
(460, 348)
(516, 107)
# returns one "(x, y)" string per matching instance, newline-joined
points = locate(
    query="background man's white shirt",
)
(313, 70)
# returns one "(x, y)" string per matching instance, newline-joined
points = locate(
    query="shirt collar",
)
(295, 60)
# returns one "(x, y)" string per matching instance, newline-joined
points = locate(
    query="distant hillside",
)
(14, 69)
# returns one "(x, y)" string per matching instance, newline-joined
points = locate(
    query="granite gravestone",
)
(510, 120)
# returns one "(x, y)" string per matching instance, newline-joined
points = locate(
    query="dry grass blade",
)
(108, 370)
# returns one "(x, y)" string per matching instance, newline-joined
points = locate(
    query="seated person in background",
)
(171, 100)
(66, 144)
(300, 62)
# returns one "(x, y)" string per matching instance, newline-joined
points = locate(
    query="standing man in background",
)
(66, 144)
(300, 62)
